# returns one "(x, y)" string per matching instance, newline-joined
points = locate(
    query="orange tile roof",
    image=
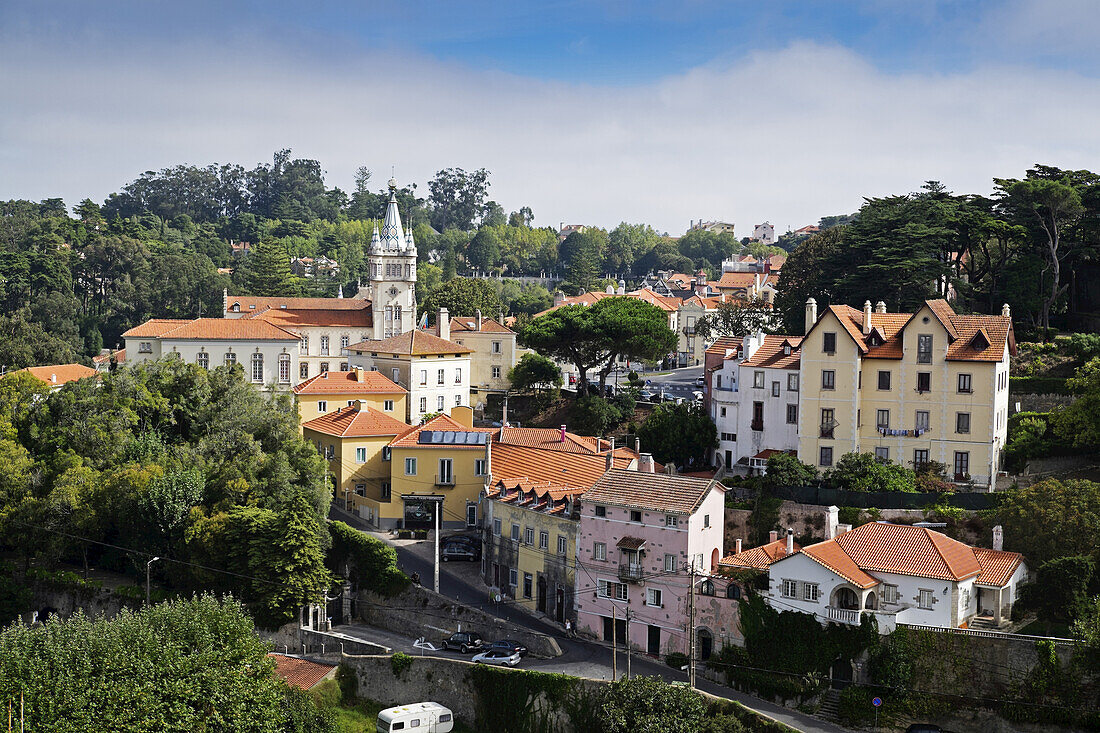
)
(997, 566)
(60, 373)
(316, 318)
(558, 470)
(831, 555)
(665, 303)
(253, 303)
(770, 354)
(548, 439)
(119, 356)
(348, 422)
(488, 325)
(722, 344)
(739, 280)
(654, 491)
(410, 438)
(218, 329)
(301, 673)
(411, 343)
(758, 557)
(356, 381)
(154, 327)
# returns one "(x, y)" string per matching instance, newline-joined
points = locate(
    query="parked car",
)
(697, 396)
(509, 645)
(701, 382)
(464, 641)
(467, 538)
(459, 551)
(646, 396)
(497, 656)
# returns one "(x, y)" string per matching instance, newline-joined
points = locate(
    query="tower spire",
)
(392, 233)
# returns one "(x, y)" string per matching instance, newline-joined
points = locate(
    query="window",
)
(653, 597)
(361, 489)
(496, 372)
(670, 563)
(924, 348)
(386, 453)
(458, 400)
(889, 594)
(790, 589)
(344, 341)
(635, 515)
(395, 374)
(322, 406)
(670, 520)
(446, 471)
(230, 359)
(257, 367)
(775, 389)
(345, 367)
(439, 376)
(527, 583)
(962, 465)
(792, 414)
(964, 384)
(757, 416)
(920, 459)
(145, 347)
(610, 589)
(303, 346)
(962, 422)
(410, 466)
(423, 376)
(360, 455)
(792, 382)
(284, 368)
(924, 381)
(561, 544)
(732, 437)
(544, 540)
(884, 380)
(826, 456)
(828, 342)
(385, 491)
(733, 592)
(479, 467)
(882, 419)
(601, 511)
(706, 520)
(330, 452)
(758, 380)
(723, 412)
(924, 600)
(513, 577)
(924, 420)
(324, 346)
(828, 379)
(496, 347)
(827, 422)
(387, 405)
(458, 375)
(599, 551)
(303, 370)
(528, 536)
(809, 592)
(203, 360)
(496, 526)
(423, 404)
(882, 454)
(515, 532)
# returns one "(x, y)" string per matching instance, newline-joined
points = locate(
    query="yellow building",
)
(355, 441)
(908, 387)
(327, 391)
(445, 457)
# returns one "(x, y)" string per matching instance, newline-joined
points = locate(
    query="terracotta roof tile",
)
(722, 344)
(60, 373)
(348, 422)
(770, 354)
(411, 437)
(758, 557)
(252, 303)
(831, 555)
(488, 325)
(316, 318)
(154, 327)
(411, 343)
(301, 673)
(654, 491)
(550, 439)
(119, 356)
(356, 381)
(216, 329)
(997, 566)
(551, 469)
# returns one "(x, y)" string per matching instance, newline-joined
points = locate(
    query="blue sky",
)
(586, 111)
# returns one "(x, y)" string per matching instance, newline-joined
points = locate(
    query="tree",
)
(786, 470)
(1052, 519)
(736, 317)
(457, 198)
(484, 250)
(269, 270)
(535, 371)
(627, 243)
(1079, 423)
(582, 254)
(462, 297)
(649, 705)
(521, 218)
(493, 215)
(1086, 631)
(1060, 590)
(24, 343)
(680, 434)
(864, 472)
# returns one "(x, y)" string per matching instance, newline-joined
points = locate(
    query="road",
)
(580, 657)
(678, 382)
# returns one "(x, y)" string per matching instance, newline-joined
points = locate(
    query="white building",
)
(392, 262)
(764, 233)
(754, 401)
(268, 353)
(899, 574)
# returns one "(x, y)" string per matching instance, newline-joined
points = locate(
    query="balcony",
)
(757, 425)
(631, 572)
(887, 620)
(827, 431)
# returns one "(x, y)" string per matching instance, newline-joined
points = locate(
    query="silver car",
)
(497, 656)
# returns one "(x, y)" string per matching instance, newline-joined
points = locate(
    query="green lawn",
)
(1042, 628)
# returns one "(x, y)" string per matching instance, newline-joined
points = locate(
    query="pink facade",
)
(634, 558)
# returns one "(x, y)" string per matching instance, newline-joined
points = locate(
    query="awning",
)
(630, 543)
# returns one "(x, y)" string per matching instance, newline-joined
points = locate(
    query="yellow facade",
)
(357, 470)
(420, 471)
(314, 405)
(964, 430)
(494, 354)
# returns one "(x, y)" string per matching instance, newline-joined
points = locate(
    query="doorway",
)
(653, 643)
(619, 626)
(559, 605)
(706, 643)
(540, 598)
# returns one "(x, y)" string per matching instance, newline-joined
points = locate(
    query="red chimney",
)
(562, 433)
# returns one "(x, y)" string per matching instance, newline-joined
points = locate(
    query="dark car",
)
(465, 538)
(459, 551)
(509, 645)
(924, 728)
(464, 641)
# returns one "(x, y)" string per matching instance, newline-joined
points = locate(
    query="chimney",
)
(477, 317)
(1006, 312)
(866, 317)
(670, 469)
(610, 462)
(842, 528)
(832, 519)
(360, 406)
(880, 307)
(444, 324)
(645, 463)
(737, 546)
(357, 374)
(773, 536)
(500, 317)
(559, 298)
(998, 538)
(562, 439)
(638, 445)
(811, 314)
(790, 541)
(53, 379)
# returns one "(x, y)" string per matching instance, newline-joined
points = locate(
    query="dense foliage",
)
(682, 434)
(366, 561)
(1052, 519)
(649, 705)
(166, 459)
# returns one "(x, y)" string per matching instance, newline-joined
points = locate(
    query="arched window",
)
(733, 591)
(706, 588)
(284, 368)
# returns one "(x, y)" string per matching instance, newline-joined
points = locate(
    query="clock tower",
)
(392, 262)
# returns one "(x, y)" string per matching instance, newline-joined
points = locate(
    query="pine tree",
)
(269, 271)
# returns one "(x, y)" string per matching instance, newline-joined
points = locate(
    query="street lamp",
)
(148, 566)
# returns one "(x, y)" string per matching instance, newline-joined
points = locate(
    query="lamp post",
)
(148, 566)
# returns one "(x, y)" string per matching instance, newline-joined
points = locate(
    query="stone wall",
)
(65, 602)
(293, 638)
(1039, 402)
(418, 611)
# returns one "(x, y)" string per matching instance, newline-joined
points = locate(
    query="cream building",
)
(435, 371)
(908, 387)
(268, 353)
(493, 345)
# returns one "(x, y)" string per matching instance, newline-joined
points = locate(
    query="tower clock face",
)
(393, 292)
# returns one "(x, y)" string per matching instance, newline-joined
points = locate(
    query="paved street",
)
(678, 383)
(579, 656)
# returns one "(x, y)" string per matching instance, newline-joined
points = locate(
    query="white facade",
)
(267, 363)
(764, 233)
(392, 263)
(436, 382)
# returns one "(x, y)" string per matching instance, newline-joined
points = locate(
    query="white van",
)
(417, 717)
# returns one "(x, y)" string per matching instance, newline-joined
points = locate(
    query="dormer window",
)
(980, 342)
(786, 349)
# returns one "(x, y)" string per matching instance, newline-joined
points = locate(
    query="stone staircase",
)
(830, 706)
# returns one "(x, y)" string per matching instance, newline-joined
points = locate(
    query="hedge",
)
(1037, 385)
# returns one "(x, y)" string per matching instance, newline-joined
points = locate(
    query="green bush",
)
(348, 680)
(677, 660)
(372, 563)
(592, 415)
(1084, 346)
(1037, 385)
(855, 706)
(399, 663)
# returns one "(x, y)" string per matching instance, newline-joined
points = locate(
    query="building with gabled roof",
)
(914, 388)
(302, 673)
(326, 391)
(900, 574)
(494, 350)
(58, 375)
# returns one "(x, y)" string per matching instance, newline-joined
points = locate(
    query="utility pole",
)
(438, 510)
(148, 565)
(614, 643)
(691, 622)
(627, 643)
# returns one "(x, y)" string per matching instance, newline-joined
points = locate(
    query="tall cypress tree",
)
(269, 271)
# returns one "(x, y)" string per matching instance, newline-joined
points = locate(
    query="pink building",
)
(639, 533)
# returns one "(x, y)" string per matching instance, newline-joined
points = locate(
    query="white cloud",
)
(787, 136)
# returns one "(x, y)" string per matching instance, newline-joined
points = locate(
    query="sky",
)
(588, 112)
